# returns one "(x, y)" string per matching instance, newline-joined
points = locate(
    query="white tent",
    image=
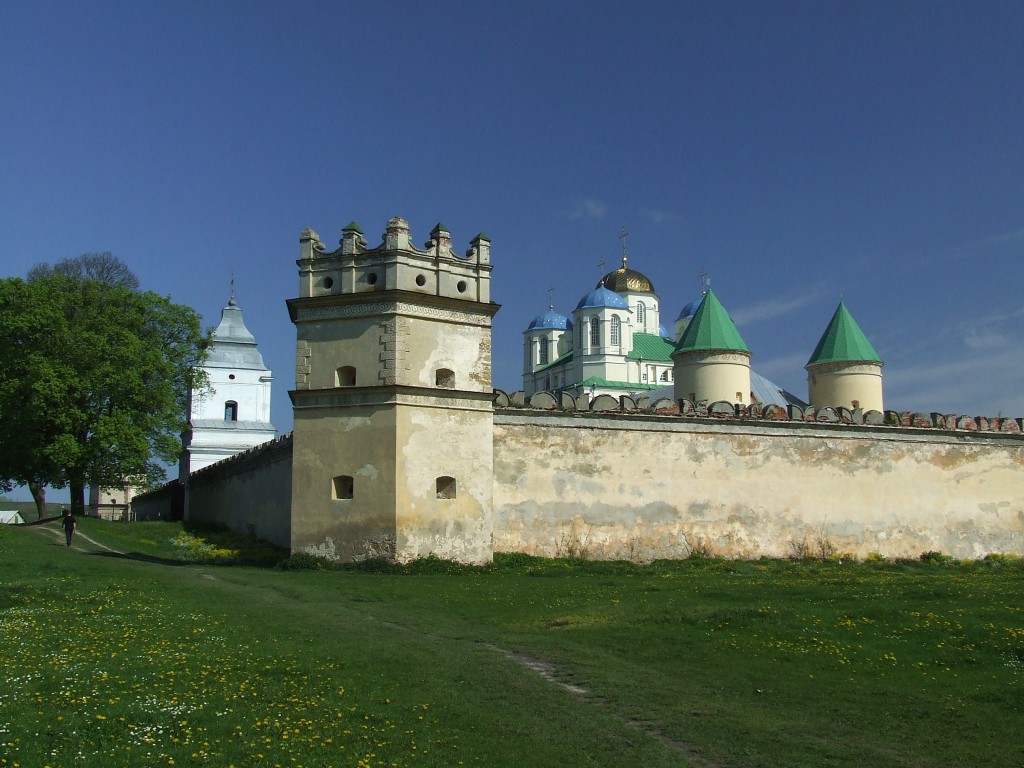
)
(11, 517)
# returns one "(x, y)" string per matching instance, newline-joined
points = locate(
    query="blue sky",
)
(800, 152)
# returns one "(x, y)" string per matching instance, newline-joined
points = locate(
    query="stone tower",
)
(393, 438)
(711, 360)
(844, 369)
(233, 413)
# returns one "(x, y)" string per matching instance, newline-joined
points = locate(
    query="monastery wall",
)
(642, 487)
(249, 493)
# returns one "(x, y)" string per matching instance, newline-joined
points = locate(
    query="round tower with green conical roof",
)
(844, 369)
(712, 362)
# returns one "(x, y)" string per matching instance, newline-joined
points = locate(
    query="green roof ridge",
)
(480, 236)
(352, 227)
(647, 346)
(843, 341)
(597, 381)
(711, 328)
(564, 358)
(439, 227)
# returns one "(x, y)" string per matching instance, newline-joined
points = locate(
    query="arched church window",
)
(664, 375)
(445, 378)
(615, 330)
(230, 411)
(446, 487)
(641, 315)
(345, 376)
(543, 351)
(595, 332)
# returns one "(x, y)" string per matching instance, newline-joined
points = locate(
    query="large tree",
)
(105, 267)
(94, 382)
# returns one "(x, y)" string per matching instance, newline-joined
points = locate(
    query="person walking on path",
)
(68, 521)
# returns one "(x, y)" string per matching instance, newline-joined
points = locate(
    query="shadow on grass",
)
(143, 558)
(44, 521)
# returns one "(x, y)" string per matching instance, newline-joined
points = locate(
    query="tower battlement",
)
(395, 264)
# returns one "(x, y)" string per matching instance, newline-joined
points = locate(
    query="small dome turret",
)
(550, 320)
(711, 360)
(602, 297)
(844, 369)
(690, 309)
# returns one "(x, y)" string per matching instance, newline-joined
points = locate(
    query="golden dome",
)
(626, 279)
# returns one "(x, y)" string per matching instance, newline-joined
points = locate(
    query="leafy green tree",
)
(94, 382)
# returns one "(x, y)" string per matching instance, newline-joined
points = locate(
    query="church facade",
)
(402, 449)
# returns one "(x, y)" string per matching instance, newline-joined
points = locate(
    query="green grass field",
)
(193, 651)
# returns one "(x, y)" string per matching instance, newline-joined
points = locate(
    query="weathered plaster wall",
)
(394, 447)
(355, 441)
(249, 493)
(646, 487)
(453, 442)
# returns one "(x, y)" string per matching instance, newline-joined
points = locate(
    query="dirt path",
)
(58, 532)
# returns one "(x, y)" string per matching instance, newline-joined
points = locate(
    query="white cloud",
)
(1003, 238)
(657, 215)
(983, 338)
(587, 208)
(781, 367)
(972, 249)
(978, 385)
(992, 331)
(772, 308)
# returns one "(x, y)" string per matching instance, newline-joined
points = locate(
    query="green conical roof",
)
(843, 341)
(711, 328)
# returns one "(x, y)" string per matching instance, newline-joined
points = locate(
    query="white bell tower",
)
(233, 414)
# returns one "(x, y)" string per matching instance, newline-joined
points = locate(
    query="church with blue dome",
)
(615, 343)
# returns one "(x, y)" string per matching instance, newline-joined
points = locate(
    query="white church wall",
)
(250, 389)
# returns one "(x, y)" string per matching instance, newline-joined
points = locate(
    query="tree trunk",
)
(39, 497)
(77, 498)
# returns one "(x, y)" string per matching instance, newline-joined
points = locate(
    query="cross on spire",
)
(622, 236)
(705, 281)
(551, 292)
(600, 266)
(231, 300)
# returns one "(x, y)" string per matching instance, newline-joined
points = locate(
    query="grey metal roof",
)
(768, 392)
(233, 345)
